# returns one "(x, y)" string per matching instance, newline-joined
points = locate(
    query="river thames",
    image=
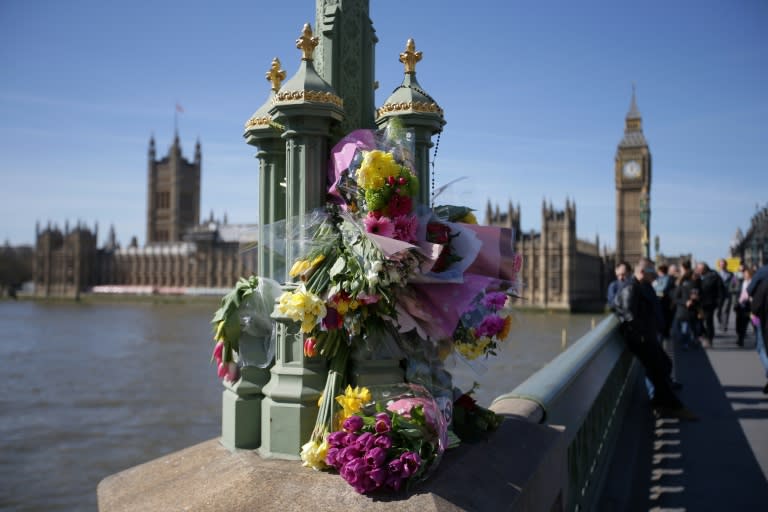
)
(91, 389)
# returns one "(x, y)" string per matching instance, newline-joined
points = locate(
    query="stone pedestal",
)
(241, 409)
(290, 400)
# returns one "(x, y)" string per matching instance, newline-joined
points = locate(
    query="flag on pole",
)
(179, 108)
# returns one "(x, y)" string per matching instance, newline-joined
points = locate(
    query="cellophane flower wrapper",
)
(394, 441)
(243, 320)
(257, 334)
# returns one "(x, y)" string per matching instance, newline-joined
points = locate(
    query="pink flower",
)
(490, 326)
(310, 347)
(400, 205)
(495, 300)
(232, 372)
(365, 299)
(406, 227)
(217, 351)
(382, 226)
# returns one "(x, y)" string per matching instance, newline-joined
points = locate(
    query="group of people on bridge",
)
(677, 306)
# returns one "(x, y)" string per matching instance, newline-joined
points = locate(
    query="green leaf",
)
(338, 267)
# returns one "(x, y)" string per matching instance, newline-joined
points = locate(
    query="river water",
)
(91, 389)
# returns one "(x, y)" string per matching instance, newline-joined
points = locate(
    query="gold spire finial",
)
(276, 75)
(306, 43)
(410, 56)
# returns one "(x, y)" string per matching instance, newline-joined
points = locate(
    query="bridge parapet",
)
(586, 390)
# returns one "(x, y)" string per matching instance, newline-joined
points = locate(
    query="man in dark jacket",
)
(758, 291)
(637, 307)
(710, 291)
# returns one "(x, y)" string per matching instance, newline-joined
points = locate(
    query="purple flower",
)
(490, 326)
(332, 319)
(495, 300)
(349, 454)
(338, 439)
(378, 475)
(353, 423)
(395, 467)
(353, 471)
(395, 482)
(365, 441)
(383, 423)
(383, 442)
(376, 457)
(331, 458)
(411, 462)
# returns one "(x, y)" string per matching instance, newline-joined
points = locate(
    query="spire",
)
(198, 151)
(633, 113)
(152, 146)
(633, 125)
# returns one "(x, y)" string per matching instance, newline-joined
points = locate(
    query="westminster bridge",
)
(578, 435)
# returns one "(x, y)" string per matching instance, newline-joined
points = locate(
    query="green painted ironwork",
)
(586, 389)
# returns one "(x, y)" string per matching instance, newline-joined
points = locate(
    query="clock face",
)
(632, 169)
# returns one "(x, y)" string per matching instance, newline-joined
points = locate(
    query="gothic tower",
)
(633, 187)
(173, 193)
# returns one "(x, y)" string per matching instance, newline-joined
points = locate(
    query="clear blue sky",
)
(535, 94)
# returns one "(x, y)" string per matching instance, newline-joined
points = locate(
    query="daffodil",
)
(313, 453)
(353, 400)
(302, 306)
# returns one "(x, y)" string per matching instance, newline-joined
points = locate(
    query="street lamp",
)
(645, 221)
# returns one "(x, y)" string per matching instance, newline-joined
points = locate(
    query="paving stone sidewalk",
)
(719, 463)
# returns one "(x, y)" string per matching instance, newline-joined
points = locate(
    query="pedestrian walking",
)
(758, 293)
(710, 290)
(726, 294)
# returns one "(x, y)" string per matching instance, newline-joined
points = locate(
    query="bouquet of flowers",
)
(484, 324)
(244, 312)
(390, 437)
(395, 279)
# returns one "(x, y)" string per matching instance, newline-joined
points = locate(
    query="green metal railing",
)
(586, 390)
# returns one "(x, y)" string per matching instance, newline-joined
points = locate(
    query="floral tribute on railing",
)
(382, 277)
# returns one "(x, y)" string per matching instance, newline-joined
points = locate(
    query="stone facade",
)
(181, 255)
(752, 246)
(559, 270)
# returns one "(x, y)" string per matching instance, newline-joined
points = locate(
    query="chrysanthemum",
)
(406, 227)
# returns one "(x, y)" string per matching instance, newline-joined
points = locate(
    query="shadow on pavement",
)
(694, 466)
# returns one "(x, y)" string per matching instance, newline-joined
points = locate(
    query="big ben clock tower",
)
(633, 188)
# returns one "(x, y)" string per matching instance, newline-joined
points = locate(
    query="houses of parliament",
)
(181, 254)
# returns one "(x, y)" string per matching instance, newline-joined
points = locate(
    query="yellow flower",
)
(313, 454)
(353, 400)
(376, 167)
(219, 336)
(469, 218)
(302, 306)
(505, 330)
(299, 267)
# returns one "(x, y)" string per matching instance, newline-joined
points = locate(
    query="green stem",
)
(336, 376)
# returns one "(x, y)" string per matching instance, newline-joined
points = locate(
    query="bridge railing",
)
(585, 389)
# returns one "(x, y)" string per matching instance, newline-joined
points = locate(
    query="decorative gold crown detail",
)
(312, 96)
(415, 106)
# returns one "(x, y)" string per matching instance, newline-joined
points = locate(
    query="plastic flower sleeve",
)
(391, 437)
(414, 402)
(257, 345)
